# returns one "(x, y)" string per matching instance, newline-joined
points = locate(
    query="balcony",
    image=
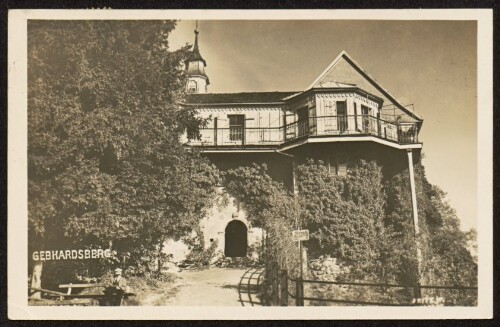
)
(319, 126)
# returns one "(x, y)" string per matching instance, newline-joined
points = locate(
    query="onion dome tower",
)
(197, 80)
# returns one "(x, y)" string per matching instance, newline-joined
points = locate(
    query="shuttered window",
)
(236, 127)
(337, 166)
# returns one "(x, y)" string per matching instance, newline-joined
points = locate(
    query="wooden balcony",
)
(320, 126)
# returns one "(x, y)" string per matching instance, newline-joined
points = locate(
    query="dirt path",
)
(213, 287)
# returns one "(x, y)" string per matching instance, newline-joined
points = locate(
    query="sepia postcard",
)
(265, 164)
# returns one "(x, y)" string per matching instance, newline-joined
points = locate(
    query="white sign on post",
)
(300, 235)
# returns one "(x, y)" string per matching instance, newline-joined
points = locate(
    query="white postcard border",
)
(17, 171)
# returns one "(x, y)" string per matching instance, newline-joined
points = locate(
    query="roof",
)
(240, 98)
(195, 54)
(370, 79)
(281, 97)
(193, 69)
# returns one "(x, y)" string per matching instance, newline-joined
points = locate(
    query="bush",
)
(201, 257)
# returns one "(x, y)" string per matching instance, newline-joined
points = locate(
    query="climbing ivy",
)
(363, 219)
(271, 206)
(344, 213)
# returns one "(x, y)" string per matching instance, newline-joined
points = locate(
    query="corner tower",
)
(197, 80)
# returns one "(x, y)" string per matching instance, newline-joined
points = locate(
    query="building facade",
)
(343, 116)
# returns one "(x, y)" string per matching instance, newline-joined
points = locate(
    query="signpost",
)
(299, 236)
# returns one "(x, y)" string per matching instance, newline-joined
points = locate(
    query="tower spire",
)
(195, 68)
(196, 32)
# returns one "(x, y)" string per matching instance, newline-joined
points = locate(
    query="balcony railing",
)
(403, 133)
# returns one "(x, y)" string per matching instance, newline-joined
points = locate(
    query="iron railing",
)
(402, 133)
(293, 291)
(433, 290)
(281, 289)
(237, 136)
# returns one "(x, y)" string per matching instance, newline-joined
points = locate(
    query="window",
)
(236, 127)
(342, 116)
(337, 165)
(303, 121)
(192, 87)
(365, 111)
(342, 168)
(312, 120)
(329, 113)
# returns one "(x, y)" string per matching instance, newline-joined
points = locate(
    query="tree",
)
(106, 167)
(471, 237)
(445, 257)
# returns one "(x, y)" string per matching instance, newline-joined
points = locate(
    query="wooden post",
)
(274, 285)
(284, 126)
(301, 261)
(294, 179)
(243, 134)
(284, 288)
(355, 117)
(299, 286)
(304, 262)
(417, 291)
(379, 128)
(36, 279)
(299, 292)
(215, 131)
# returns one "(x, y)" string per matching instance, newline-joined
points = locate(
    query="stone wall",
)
(225, 209)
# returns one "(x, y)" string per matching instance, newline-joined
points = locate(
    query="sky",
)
(430, 64)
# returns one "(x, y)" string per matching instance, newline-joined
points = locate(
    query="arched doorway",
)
(235, 239)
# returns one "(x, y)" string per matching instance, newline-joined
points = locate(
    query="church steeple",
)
(195, 69)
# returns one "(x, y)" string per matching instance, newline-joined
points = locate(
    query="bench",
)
(70, 286)
(99, 297)
(34, 290)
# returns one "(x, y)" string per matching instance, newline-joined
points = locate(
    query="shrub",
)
(202, 257)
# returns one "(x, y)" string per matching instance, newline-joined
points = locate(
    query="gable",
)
(344, 70)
